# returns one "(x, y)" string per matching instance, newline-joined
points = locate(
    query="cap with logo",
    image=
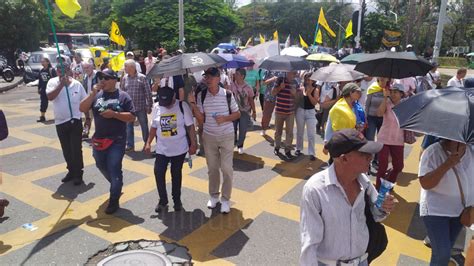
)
(165, 96)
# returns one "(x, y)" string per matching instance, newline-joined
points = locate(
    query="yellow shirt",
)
(342, 116)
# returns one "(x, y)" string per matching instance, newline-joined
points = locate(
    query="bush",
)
(453, 62)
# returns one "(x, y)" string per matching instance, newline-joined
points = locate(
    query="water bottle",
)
(190, 162)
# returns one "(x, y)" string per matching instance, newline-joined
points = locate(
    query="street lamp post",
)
(181, 24)
(359, 21)
(439, 30)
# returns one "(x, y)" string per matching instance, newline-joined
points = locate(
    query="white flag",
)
(287, 43)
(259, 52)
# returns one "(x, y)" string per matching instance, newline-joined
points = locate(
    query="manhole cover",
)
(142, 252)
(136, 257)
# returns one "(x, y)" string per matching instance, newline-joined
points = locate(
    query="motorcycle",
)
(6, 71)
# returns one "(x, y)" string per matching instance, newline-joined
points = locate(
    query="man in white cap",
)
(131, 55)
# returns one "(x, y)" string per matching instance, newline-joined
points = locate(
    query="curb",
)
(11, 86)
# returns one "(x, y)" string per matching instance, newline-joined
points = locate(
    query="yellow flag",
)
(68, 7)
(349, 29)
(248, 41)
(262, 40)
(319, 37)
(117, 62)
(116, 35)
(275, 35)
(303, 43)
(322, 21)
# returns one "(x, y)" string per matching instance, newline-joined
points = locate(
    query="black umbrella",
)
(284, 63)
(185, 63)
(445, 113)
(393, 65)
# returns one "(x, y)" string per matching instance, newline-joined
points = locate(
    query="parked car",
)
(33, 65)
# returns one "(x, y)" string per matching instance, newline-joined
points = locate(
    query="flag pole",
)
(63, 71)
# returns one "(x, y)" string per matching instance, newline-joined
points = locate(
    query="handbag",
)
(101, 144)
(409, 137)
(378, 239)
(467, 214)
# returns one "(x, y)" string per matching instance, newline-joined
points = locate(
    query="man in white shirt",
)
(66, 94)
(458, 80)
(216, 109)
(333, 222)
(131, 55)
(433, 77)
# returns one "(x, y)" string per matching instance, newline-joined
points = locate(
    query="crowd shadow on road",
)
(4, 247)
(59, 229)
(247, 162)
(405, 179)
(114, 223)
(66, 191)
(405, 219)
(139, 155)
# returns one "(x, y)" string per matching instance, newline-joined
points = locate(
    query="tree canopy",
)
(24, 24)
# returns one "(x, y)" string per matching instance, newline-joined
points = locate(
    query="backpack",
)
(378, 240)
(228, 95)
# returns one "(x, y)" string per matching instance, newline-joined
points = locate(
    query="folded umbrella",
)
(284, 63)
(235, 61)
(445, 113)
(336, 73)
(185, 63)
(321, 57)
(393, 65)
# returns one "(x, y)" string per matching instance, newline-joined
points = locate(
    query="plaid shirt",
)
(139, 90)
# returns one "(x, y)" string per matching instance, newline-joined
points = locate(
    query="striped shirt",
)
(139, 90)
(215, 105)
(285, 100)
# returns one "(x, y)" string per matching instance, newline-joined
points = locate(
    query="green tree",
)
(154, 24)
(24, 24)
(374, 26)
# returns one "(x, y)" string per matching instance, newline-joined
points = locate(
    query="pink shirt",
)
(390, 132)
(149, 63)
(243, 94)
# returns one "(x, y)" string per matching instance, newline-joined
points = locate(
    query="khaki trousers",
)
(219, 151)
(289, 121)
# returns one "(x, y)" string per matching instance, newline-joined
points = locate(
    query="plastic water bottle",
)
(190, 161)
(385, 187)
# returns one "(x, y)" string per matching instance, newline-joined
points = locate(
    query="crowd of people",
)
(210, 113)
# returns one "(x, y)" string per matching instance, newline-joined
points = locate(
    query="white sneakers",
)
(212, 203)
(263, 133)
(241, 150)
(225, 204)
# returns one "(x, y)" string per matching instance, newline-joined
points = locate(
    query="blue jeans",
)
(442, 232)
(374, 125)
(306, 117)
(109, 163)
(143, 120)
(243, 123)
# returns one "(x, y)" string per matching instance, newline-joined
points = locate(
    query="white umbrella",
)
(294, 51)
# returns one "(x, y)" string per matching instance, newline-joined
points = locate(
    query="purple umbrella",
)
(235, 61)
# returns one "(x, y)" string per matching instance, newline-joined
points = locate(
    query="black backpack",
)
(228, 95)
(378, 240)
